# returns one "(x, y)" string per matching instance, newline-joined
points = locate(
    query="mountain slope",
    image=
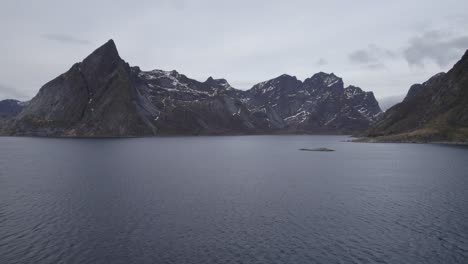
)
(103, 96)
(436, 110)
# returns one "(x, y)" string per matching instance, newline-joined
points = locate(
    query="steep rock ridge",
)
(103, 96)
(436, 110)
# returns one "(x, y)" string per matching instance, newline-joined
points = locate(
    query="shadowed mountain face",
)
(10, 108)
(432, 111)
(104, 96)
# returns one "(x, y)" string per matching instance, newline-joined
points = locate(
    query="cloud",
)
(178, 4)
(375, 66)
(372, 54)
(439, 47)
(66, 39)
(7, 92)
(321, 62)
(361, 56)
(389, 101)
(372, 57)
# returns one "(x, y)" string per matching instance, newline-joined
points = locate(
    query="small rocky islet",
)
(317, 149)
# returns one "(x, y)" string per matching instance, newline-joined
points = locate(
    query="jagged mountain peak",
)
(283, 83)
(216, 81)
(282, 77)
(323, 79)
(106, 51)
(278, 79)
(324, 75)
(352, 87)
(286, 76)
(104, 61)
(352, 90)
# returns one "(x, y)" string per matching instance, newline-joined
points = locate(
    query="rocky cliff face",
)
(104, 96)
(436, 110)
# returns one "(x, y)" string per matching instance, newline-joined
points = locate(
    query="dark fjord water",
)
(248, 199)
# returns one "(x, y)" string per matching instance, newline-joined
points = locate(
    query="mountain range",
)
(103, 96)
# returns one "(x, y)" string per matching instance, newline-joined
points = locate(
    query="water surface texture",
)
(246, 199)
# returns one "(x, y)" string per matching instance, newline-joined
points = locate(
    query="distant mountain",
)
(103, 96)
(10, 108)
(436, 110)
(387, 102)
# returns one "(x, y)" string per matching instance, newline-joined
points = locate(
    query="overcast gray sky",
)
(382, 46)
